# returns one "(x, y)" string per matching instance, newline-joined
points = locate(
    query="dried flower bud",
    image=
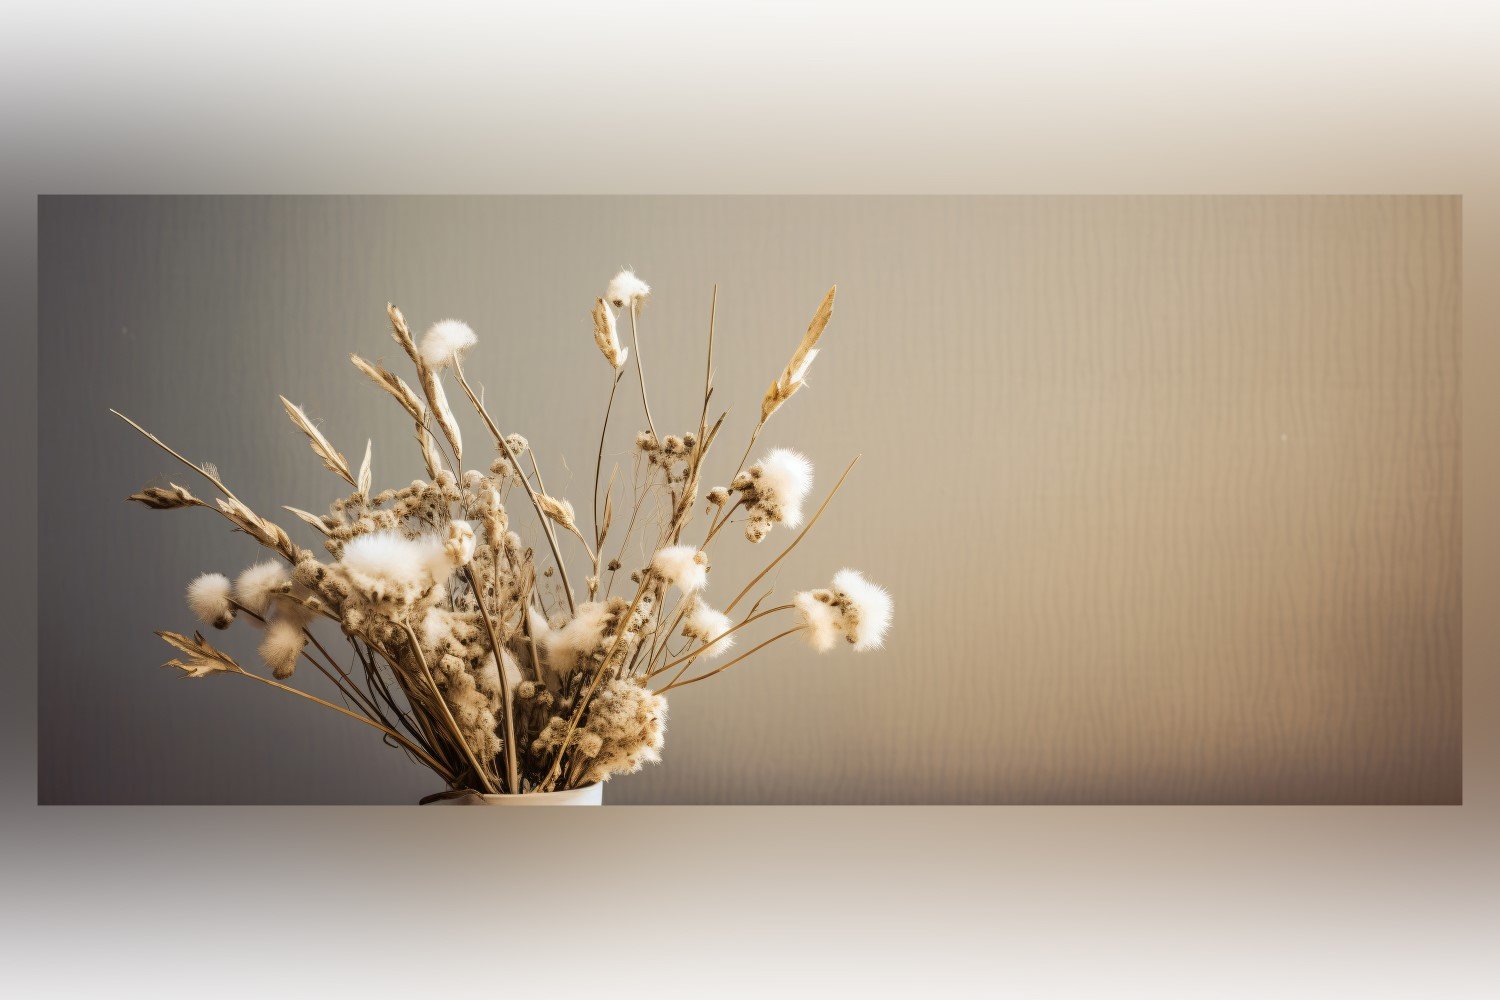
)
(718, 496)
(208, 597)
(459, 545)
(168, 498)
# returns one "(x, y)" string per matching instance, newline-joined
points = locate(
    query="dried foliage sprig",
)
(494, 674)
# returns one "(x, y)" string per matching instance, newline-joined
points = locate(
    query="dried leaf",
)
(364, 470)
(430, 454)
(202, 658)
(332, 460)
(433, 386)
(609, 507)
(312, 519)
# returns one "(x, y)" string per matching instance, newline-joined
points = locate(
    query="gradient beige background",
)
(1063, 98)
(1167, 488)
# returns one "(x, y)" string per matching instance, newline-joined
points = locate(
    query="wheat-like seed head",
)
(402, 334)
(792, 377)
(321, 446)
(395, 385)
(266, 532)
(559, 510)
(607, 336)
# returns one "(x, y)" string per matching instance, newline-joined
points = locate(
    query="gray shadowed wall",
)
(1166, 489)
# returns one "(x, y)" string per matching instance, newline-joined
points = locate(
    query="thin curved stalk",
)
(737, 659)
(599, 458)
(562, 569)
(442, 771)
(690, 657)
(166, 448)
(640, 370)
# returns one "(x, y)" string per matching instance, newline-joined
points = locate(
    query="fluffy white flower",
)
(681, 566)
(208, 597)
(261, 582)
(785, 480)
(459, 546)
(626, 289)
(445, 340)
(821, 621)
(387, 566)
(866, 609)
(579, 638)
(281, 646)
(707, 625)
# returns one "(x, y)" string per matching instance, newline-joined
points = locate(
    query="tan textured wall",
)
(1167, 489)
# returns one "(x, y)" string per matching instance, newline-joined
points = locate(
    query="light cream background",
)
(1167, 489)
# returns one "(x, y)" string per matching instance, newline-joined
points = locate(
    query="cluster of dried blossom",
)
(499, 677)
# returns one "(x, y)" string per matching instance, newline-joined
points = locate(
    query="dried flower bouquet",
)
(499, 677)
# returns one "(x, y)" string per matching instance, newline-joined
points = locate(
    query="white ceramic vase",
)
(588, 795)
